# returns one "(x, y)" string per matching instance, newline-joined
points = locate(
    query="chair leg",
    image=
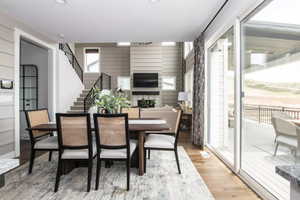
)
(177, 161)
(145, 160)
(50, 156)
(90, 168)
(128, 173)
(32, 156)
(149, 154)
(276, 148)
(58, 173)
(98, 173)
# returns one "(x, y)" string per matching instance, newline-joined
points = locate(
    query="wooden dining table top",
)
(132, 127)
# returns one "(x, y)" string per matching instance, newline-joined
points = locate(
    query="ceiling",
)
(115, 20)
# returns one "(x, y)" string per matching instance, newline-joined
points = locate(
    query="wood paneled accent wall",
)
(6, 96)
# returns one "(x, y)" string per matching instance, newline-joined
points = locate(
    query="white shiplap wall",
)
(6, 96)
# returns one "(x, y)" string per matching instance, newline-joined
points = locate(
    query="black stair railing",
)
(72, 59)
(103, 82)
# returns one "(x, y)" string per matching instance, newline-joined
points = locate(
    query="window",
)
(92, 60)
(168, 83)
(124, 82)
(188, 47)
(168, 44)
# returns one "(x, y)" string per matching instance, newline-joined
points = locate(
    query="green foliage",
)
(112, 101)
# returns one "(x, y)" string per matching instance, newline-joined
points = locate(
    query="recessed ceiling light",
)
(168, 44)
(61, 1)
(123, 43)
(154, 1)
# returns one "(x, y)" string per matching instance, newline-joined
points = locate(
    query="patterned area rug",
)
(162, 181)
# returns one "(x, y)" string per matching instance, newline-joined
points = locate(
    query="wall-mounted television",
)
(145, 80)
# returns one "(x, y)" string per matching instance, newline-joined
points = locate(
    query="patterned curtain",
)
(198, 90)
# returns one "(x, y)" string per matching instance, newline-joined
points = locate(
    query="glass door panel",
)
(222, 73)
(271, 85)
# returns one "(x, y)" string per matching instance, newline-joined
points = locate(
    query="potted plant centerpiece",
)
(110, 101)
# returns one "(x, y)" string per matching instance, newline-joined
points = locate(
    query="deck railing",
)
(263, 113)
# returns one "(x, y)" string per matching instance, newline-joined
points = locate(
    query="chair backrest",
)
(111, 131)
(284, 127)
(133, 113)
(74, 131)
(169, 115)
(37, 117)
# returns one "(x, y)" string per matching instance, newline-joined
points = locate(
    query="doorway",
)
(33, 87)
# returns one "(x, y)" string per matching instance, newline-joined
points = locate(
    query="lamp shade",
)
(183, 96)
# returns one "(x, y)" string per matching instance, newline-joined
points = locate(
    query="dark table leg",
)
(141, 153)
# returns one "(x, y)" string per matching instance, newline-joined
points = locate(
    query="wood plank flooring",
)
(222, 183)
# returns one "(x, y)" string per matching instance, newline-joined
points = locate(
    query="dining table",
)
(138, 126)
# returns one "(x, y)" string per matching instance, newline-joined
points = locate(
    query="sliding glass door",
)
(221, 84)
(271, 85)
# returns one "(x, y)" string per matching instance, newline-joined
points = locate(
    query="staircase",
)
(101, 81)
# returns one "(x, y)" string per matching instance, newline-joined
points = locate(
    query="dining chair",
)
(133, 112)
(113, 143)
(74, 142)
(164, 142)
(39, 140)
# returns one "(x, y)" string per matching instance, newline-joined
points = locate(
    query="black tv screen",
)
(145, 80)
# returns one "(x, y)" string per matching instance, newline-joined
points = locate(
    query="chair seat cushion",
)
(288, 140)
(78, 153)
(160, 141)
(47, 143)
(118, 153)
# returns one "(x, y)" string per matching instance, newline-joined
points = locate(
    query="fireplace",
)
(143, 103)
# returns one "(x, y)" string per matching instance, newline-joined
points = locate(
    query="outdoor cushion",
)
(291, 141)
(47, 143)
(118, 153)
(160, 141)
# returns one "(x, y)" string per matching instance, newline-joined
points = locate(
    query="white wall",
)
(69, 85)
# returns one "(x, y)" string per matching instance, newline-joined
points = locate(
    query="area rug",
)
(161, 182)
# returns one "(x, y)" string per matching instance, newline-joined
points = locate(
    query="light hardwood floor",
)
(222, 183)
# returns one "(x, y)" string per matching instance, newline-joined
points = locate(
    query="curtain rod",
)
(215, 16)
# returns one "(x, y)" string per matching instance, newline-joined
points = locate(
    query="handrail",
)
(263, 113)
(103, 82)
(72, 59)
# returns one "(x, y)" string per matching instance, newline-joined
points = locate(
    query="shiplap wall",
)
(165, 60)
(6, 96)
(172, 66)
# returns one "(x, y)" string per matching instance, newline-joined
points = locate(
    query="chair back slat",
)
(133, 113)
(37, 117)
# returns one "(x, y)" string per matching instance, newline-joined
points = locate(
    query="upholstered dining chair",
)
(133, 112)
(164, 142)
(74, 142)
(40, 140)
(113, 143)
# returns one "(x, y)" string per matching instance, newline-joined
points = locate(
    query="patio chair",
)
(286, 132)
(40, 140)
